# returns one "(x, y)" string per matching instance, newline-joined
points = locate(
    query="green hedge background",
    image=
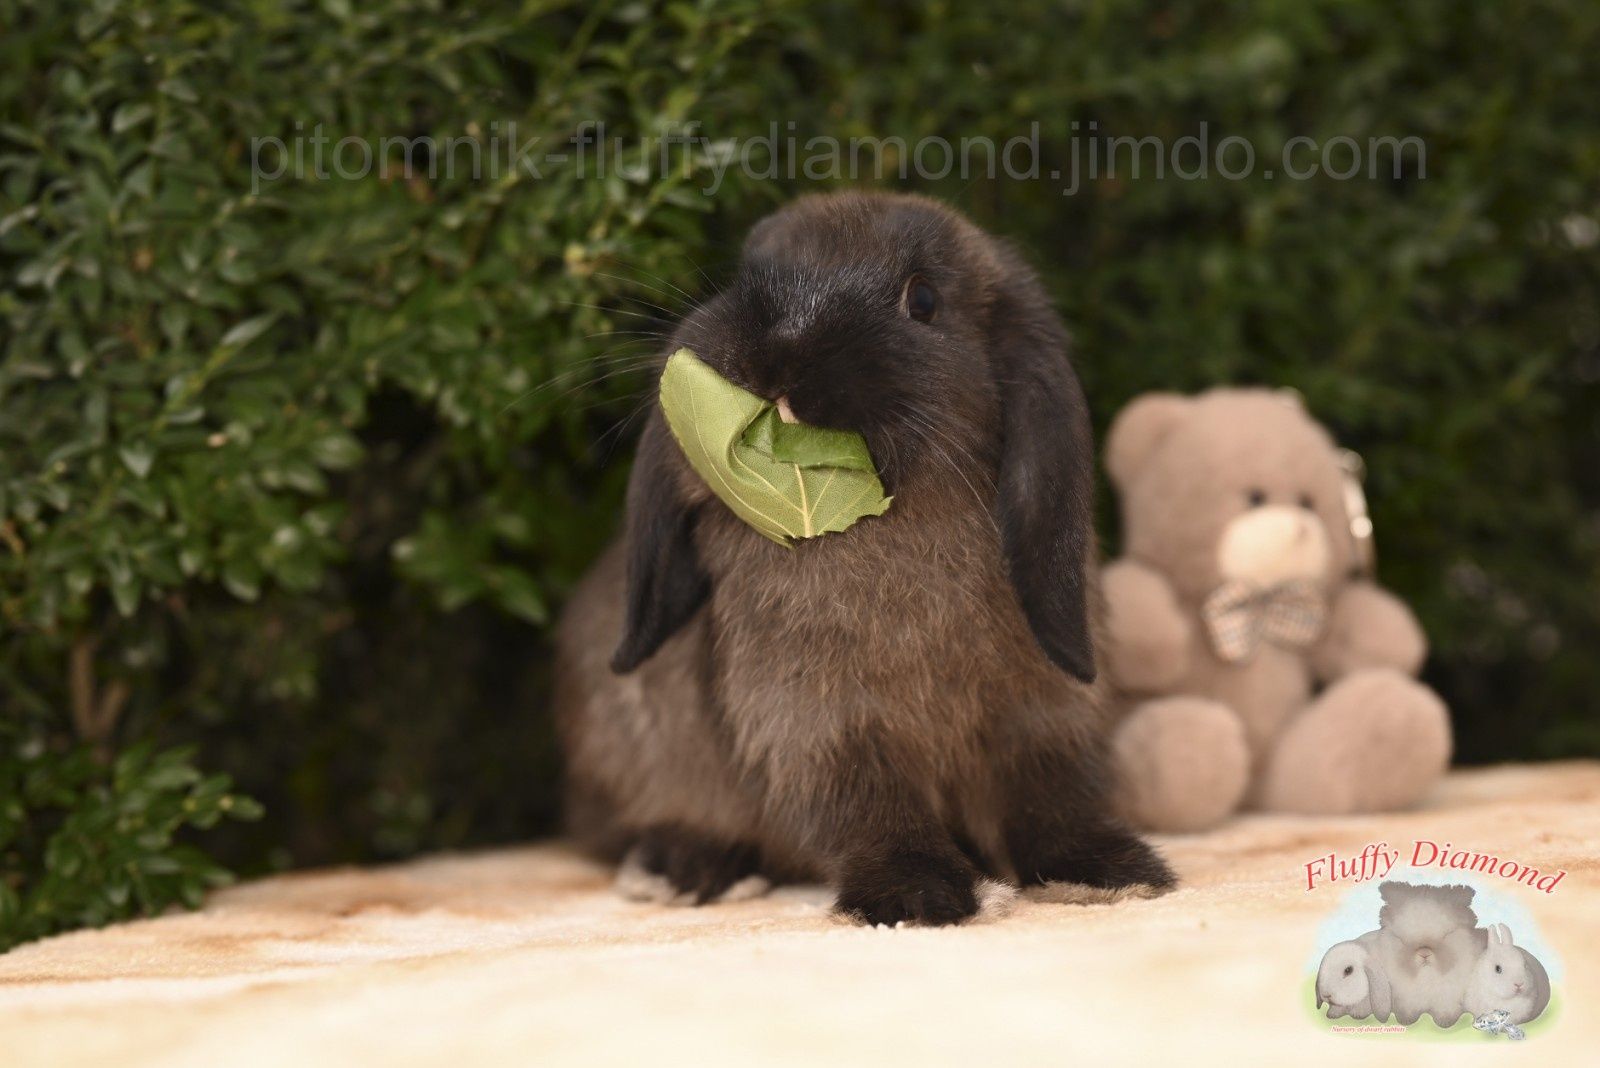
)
(293, 478)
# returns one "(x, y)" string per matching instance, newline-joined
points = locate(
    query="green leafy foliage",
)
(262, 421)
(296, 469)
(83, 842)
(786, 480)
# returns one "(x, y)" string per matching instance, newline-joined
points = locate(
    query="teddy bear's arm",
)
(1368, 627)
(1148, 650)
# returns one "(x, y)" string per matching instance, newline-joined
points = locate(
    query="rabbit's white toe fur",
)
(751, 886)
(995, 899)
(637, 883)
(1062, 893)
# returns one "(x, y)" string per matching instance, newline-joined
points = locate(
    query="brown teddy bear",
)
(1257, 666)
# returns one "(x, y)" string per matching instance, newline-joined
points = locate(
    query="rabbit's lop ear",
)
(666, 584)
(1378, 990)
(1046, 493)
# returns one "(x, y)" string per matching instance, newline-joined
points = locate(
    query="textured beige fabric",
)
(524, 957)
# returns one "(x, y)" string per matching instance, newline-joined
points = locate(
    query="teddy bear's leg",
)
(1375, 740)
(1183, 763)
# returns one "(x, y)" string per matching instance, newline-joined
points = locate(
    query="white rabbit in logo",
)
(1353, 982)
(1507, 977)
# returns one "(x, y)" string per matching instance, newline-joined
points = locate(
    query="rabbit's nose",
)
(1517, 987)
(784, 411)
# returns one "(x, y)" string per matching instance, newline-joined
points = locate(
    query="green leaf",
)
(180, 90)
(126, 589)
(242, 808)
(808, 446)
(138, 458)
(337, 451)
(247, 331)
(519, 594)
(130, 115)
(785, 480)
(242, 578)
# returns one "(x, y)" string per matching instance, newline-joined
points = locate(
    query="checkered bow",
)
(1241, 615)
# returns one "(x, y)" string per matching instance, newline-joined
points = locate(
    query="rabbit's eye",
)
(921, 300)
(1256, 498)
(1349, 969)
(1497, 969)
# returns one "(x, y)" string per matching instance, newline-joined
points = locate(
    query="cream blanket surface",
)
(525, 956)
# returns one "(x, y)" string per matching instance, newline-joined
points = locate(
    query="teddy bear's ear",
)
(1138, 429)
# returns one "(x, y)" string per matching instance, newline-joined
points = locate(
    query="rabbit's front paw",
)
(908, 886)
(677, 865)
(1106, 857)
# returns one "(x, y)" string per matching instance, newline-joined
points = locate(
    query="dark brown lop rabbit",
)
(902, 708)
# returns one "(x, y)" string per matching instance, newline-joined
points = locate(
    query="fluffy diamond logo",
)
(1399, 950)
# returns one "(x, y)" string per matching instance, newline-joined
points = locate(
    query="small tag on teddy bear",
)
(1364, 554)
(1355, 506)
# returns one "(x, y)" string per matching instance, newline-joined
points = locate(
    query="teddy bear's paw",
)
(1147, 634)
(1183, 762)
(1376, 740)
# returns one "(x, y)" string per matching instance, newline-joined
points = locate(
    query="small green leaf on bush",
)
(178, 89)
(138, 458)
(337, 451)
(519, 594)
(247, 331)
(130, 115)
(126, 589)
(242, 579)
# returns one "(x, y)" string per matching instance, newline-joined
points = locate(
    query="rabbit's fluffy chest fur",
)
(897, 629)
(900, 638)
